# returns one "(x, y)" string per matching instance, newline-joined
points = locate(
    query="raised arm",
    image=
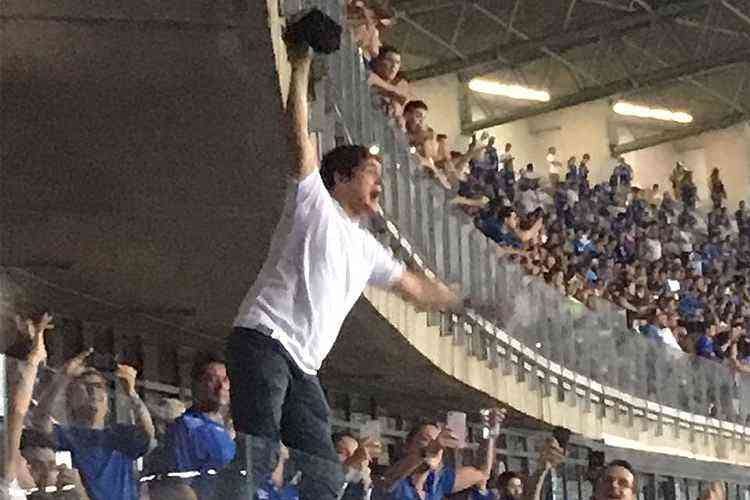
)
(418, 459)
(551, 456)
(467, 477)
(126, 376)
(427, 293)
(399, 91)
(297, 111)
(72, 368)
(20, 398)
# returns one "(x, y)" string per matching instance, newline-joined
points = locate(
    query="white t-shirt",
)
(319, 263)
(669, 339)
(503, 158)
(685, 241)
(554, 165)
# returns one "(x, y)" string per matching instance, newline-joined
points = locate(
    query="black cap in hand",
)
(317, 30)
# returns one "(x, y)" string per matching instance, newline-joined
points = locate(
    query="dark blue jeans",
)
(272, 401)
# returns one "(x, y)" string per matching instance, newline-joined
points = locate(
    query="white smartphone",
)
(64, 458)
(456, 422)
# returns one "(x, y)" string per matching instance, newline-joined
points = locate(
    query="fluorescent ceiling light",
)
(512, 91)
(628, 109)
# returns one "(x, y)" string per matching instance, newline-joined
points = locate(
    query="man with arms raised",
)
(320, 261)
(104, 454)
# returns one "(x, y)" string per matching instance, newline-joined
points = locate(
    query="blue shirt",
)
(651, 332)
(268, 491)
(492, 227)
(195, 442)
(105, 458)
(705, 347)
(439, 484)
(487, 495)
(690, 305)
(581, 247)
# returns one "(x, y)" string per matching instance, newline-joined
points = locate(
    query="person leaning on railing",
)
(390, 90)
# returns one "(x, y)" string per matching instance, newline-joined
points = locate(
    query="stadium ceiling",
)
(681, 54)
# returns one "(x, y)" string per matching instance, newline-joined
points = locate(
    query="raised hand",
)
(126, 377)
(552, 454)
(446, 439)
(497, 417)
(372, 446)
(35, 333)
(75, 366)
(367, 449)
(299, 54)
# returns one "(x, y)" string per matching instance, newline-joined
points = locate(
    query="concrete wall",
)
(573, 412)
(727, 149)
(136, 150)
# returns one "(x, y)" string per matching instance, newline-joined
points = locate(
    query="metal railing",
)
(518, 317)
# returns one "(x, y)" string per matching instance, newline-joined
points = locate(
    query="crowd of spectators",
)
(637, 248)
(681, 277)
(190, 455)
(187, 456)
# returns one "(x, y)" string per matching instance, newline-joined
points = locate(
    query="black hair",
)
(385, 49)
(504, 212)
(627, 466)
(342, 160)
(414, 105)
(201, 362)
(504, 478)
(418, 427)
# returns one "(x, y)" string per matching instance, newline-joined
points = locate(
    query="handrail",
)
(516, 313)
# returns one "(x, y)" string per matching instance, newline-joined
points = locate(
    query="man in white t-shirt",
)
(320, 261)
(506, 156)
